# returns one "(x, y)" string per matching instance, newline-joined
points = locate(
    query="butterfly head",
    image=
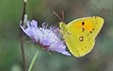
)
(62, 25)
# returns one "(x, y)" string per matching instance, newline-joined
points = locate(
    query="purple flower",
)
(45, 38)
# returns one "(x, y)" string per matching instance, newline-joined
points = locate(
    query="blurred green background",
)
(99, 59)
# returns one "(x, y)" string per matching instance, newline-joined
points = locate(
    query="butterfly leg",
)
(66, 38)
(60, 31)
(69, 33)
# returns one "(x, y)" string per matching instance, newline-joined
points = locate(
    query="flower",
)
(45, 38)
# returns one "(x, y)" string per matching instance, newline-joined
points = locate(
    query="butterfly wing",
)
(92, 24)
(79, 41)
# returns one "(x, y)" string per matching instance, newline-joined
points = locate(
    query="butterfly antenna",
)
(57, 16)
(63, 15)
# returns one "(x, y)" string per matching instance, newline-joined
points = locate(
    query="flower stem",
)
(33, 60)
(22, 41)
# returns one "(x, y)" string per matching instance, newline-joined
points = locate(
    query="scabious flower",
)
(45, 38)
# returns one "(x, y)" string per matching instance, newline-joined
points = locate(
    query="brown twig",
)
(21, 34)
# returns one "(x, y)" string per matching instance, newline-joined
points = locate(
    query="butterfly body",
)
(80, 34)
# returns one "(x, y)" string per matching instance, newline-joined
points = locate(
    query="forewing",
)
(92, 24)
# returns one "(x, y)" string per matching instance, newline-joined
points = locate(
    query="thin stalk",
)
(33, 60)
(21, 35)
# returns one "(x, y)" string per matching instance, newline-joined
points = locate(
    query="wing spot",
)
(93, 29)
(83, 23)
(81, 49)
(88, 39)
(81, 38)
(85, 47)
(90, 31)
(87, 34)
(83, 29)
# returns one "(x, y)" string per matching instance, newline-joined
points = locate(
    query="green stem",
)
(33, 60)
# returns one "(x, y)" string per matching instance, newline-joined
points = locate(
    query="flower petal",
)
(29, 32)
(33, 24)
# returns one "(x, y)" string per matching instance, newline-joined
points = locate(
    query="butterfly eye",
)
(62, 25)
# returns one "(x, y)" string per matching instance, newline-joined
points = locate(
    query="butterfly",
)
(80, 34)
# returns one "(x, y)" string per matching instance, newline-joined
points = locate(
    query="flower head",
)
(45, 38)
